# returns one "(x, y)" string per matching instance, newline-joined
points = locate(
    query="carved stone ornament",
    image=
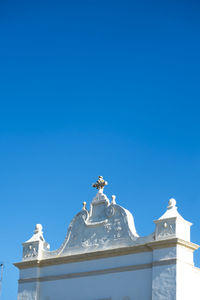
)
(171, 224)
(105, 225)
(32, 249)
(166, 229)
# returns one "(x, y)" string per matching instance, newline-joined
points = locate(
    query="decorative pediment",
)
(105, 225)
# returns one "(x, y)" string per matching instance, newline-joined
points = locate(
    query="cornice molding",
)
(99, 272)
(148, 247)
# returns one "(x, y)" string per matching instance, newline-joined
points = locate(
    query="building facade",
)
(103, 258)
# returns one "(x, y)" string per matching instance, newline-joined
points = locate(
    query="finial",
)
(38, 228)
(84, 205)
(113, 199)
(100, 183)
(171, 203)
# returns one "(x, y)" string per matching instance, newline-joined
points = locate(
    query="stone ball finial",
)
(171, 203)
(84, 205)
(38, 228)
(113, 199)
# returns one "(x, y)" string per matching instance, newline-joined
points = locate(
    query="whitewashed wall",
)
(162, 274)
(112, 286)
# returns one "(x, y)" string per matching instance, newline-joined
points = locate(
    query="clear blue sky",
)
(92, 88)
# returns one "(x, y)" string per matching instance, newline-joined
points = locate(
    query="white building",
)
(103, 258)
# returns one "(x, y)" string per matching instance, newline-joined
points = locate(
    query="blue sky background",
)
(92, 88)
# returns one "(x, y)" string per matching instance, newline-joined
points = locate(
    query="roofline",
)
(148, 247)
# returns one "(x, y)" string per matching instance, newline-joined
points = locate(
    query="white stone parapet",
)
(35, 246)
(106, 226)
(103, 257)
(172, 224)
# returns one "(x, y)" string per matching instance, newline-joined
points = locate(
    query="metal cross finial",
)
(100, 183)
